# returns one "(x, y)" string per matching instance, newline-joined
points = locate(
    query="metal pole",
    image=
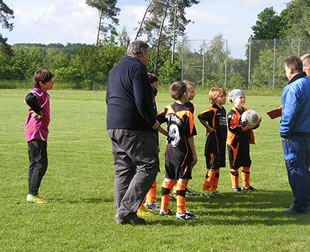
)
(226, 54)
(203, 65)
(249, 70)
(182, 64)
(298, 47)
(274, 63)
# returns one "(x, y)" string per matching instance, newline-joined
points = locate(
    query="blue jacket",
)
(296, 107)
(129, 97)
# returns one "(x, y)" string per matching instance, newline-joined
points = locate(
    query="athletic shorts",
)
(178, 172)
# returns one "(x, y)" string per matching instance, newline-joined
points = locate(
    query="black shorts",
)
(178, 172)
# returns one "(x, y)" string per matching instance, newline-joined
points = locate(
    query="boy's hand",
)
(194, 161)
(37, 116)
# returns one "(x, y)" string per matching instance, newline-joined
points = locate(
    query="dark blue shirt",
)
(129, 97)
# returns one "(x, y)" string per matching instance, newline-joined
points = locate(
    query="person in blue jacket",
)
(295, 133)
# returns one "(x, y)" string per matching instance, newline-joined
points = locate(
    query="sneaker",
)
(132, 219)
(36, 199)
(217, 193)
(186, 216)
(152, 206)
(144, 212)
(250, 188)
(162, 212)
(205, 194)
(237, 190)
(190, 192)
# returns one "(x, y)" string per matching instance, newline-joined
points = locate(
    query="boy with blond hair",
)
(306, 63)
(214, 120)
(180, 155)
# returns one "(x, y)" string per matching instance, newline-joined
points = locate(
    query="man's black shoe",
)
(132, 219)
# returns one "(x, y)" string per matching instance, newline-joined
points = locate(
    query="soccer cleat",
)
(250, 188)
(237, 190)
(152, 206)
(164, 213)
(205, 194)
(36, 199)
(144, 212)
(190, 192)
(217, 193)
(186, 216)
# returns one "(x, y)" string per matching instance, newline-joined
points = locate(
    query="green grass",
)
(79, 187)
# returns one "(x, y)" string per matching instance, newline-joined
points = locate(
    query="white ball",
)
(249, 117)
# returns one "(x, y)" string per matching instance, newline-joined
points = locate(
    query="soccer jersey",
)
(216, 118)
(38, 129)
(180, 126)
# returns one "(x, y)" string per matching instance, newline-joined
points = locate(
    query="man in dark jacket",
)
(130, 125)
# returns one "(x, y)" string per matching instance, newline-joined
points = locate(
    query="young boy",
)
(180, 155)
(150, 198)
(214, 120)
(239, 138)
(191, 94)
(36, 132)
(306, 63)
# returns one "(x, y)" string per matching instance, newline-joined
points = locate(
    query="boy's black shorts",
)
(178, 172)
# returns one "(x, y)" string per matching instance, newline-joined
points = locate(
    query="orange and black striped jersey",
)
(236, 131)
(180, 126)
(216, 118)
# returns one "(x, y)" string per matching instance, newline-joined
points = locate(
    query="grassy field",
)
(79, 187)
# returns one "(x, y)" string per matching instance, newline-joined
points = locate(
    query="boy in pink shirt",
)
(36, 131)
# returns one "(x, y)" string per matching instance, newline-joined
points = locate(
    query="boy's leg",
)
(167, 185)
(180, 192)
(234, 175)
(37, 166)
(246, 177)
(151, 195)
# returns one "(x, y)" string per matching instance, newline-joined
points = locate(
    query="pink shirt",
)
(38, 129)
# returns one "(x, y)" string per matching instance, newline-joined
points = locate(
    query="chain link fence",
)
(208, 63)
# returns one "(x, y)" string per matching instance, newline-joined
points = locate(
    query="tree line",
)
(163, 26)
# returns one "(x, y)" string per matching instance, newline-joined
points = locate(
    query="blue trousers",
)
(297, 159)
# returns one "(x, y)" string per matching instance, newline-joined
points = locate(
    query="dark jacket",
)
(129, 97)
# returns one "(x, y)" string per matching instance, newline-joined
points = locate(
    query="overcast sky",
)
(72, 21)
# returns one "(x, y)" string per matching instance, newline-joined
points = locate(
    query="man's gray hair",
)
(136, 48)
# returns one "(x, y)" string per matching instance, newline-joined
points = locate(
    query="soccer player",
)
(239, 138)
(306, 63)
(180, 155)
(36, 132)
(214, 120)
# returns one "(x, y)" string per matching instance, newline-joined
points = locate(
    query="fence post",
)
(249, 70)
(182, 64)
(226, 53)
(298, 47)
(203, 64)
(274, 62)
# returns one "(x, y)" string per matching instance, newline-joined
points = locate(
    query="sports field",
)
(79, 187)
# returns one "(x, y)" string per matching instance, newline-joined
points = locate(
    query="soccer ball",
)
(249, 117)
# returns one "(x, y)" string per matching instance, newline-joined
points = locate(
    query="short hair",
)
(189, 83)
(152, 77)
(42, 75)
(136, 48)
(305, 59)
(214, 93)
(294, 63)
(177, 89)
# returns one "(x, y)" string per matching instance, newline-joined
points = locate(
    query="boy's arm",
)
(207, 126)
(32, 102)
(192, 146)
(163, 131)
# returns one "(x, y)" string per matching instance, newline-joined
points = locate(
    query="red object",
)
(274, 113)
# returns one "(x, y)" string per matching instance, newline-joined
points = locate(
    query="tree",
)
(5, 15)
(107, 10)
(267, 26)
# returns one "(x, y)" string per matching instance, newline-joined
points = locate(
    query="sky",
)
(73, 21)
